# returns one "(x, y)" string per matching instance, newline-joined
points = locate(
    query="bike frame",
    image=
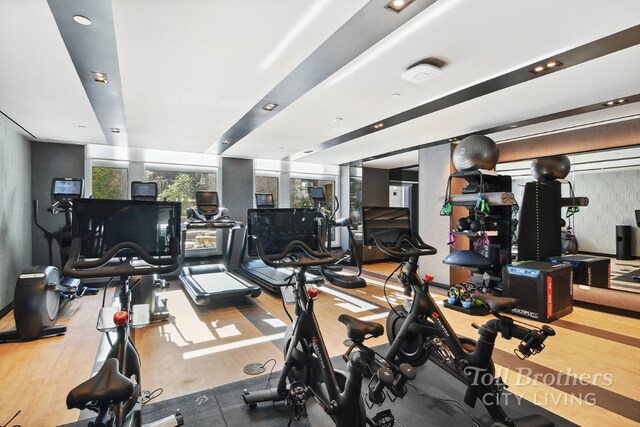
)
(340, 403)
(476, 364)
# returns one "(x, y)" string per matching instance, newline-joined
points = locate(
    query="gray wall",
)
(15, 208)
(237, 187)
(375, 187)
(50, 161)
(433, 228)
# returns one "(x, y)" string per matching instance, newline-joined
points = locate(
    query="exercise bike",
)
(289, 238)
(104, 230)
(423, 333)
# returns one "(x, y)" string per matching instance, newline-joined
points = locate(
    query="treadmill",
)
(254, 269)
(205, 283)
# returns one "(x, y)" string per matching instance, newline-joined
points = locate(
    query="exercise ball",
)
(475, 226)
(550, 168)
(476, 152)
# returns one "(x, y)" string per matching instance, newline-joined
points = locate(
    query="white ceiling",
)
(191, 69)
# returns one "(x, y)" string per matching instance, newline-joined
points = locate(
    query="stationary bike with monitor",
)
(105, 231)
(209, 282)
(334, 273)
(251, 267)
(40, 289)
(289, 238)
(422, 333)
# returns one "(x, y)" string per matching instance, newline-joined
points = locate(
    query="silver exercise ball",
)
(550, 168)
(476, 152)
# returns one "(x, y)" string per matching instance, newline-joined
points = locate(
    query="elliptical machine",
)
(333, 273)
(40, 289)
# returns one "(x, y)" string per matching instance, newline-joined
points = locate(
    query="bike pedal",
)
(384, 419)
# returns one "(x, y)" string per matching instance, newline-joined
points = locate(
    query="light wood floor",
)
(203, 347)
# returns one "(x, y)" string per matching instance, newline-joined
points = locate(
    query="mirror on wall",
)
(611, 181)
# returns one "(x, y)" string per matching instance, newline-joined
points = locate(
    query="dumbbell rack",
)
(499, 248)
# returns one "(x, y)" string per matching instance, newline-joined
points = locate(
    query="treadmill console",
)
(277, 227)
(317, 196)
(144, 190)
(64, 190)
(265, 200)
(387, 223)
(207, 203)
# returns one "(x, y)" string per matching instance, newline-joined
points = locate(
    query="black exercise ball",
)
(550, 168)
(463, 224)
(476, 152)
(475, 226)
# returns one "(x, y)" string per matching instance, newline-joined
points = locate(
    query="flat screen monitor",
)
(316, 194)
(387, 223)
(638, 218)
(207, 202)
(277, 227)
(144, 190)
(66, 189)
(102, 224)
(265, 200)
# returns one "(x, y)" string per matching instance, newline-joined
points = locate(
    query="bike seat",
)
(497, 303)
(108, 385)
(358, 330)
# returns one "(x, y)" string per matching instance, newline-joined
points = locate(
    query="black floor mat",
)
(432, 400)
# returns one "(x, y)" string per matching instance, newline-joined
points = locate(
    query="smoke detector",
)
(421, 73)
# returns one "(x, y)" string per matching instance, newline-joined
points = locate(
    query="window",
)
(267, 184)
(109, 182)
(181, 186)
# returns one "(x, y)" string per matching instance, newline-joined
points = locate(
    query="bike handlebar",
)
(98, 268)
(322, 257)
(399, 249)
(219, 223)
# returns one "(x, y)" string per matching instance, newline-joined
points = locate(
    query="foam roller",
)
(574, 201)
(494, 199)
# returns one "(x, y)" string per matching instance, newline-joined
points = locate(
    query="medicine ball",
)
(550, 168)
(475, 225)
(476, 152)
(463, 224)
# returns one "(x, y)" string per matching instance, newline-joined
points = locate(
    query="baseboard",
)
(6, 310)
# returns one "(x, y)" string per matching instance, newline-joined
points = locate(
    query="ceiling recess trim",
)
(508, 126)
(346, 44)
(93, 49)
(587, 52)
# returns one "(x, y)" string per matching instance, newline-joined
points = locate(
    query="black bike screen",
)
(277, 227)
(102, 224)
(387, 223)
(316, 193)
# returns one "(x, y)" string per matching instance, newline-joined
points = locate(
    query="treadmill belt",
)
(217, 282)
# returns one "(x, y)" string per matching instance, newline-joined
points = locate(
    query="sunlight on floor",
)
(231, 346)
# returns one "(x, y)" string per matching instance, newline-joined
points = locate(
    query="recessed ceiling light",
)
(398, 5)
(270, 106)
(337, 119)
(307, 151)
(82, 126)
(396, 95)
(614, 102)
(378, 126)
(280, 148)
(513, 126)
(99, 76)
(82, 20)
(545, 67)
(115, 130)
(620, 101)
(225, 141)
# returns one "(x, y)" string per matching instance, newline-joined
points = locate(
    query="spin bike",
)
(307, 363)
(423, 333)
(105, 230)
